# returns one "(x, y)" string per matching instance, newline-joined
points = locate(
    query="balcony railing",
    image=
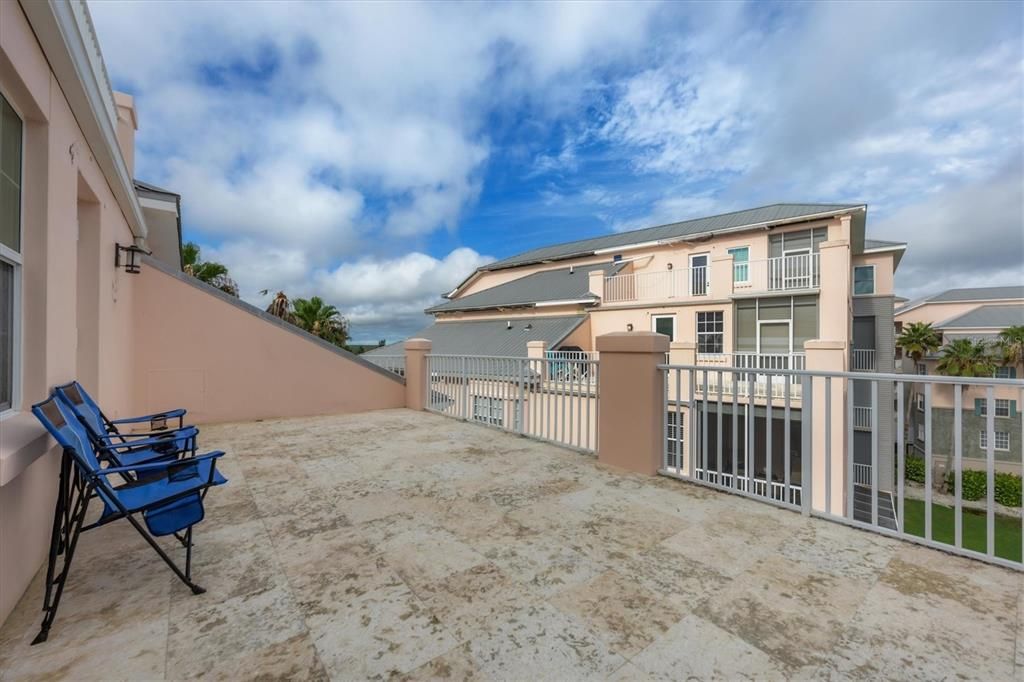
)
(862, 360)
(784, 273)
(662, 285)
(861, 417)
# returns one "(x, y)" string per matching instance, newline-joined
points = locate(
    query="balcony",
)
(405, 544)
(862, 360)
(786, 273)
(665, 285)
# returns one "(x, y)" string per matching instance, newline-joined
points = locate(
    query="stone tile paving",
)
(405, 545)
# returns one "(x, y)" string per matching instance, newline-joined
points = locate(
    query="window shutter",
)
(1013, 408)
(1013, 372)
(977, 407)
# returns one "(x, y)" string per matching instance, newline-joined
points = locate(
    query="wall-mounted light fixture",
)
(669, 266)
(130, 258)
(629, 327)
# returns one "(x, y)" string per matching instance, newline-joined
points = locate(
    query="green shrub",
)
(913, 469)
(975, 487)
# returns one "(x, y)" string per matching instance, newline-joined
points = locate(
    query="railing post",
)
(417, 383)
(595, 279)
(630, 421)
(828, 356)
(536, 353)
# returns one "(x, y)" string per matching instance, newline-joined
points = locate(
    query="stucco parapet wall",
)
(148, 261)
(632, 342)
(22, 441)
(418, 344)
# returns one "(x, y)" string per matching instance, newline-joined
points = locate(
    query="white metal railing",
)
(862, 359)
(796, 271)
(549, 399)
(861, 417)
(571, 354)
(663, 285)
(770, 360)
(392, 363)
(770, 447)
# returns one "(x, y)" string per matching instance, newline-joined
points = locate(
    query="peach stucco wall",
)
(62, 187)
(225, 363)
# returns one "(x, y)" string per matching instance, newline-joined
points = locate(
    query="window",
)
(1003, 407)
(863, 280)
(919, 399)
(922, 369)
(10, 251)
(920, 432)
(740, 264)
(674, 443)
(1002, 440)
(1006, 373)
(710, 332)
(489, 410)
(665, 324)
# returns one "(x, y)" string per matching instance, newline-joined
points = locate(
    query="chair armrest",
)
(170, 414)
(165, 434)
(188, 432)
(156, 466)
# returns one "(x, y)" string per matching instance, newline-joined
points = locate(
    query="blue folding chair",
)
(159, 442)
(157, 498)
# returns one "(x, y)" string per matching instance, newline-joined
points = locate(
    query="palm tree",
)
(280, 307)
(967, 358)
(213, 273)
(918, 339)
(320, 319)
(1011, 345)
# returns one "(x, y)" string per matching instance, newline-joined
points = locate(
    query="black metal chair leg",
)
(196, 589)
(70, 542)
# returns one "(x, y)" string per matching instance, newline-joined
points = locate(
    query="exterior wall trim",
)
(151, 262)
(76, 62)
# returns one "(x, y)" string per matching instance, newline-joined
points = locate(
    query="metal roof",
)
(146, 189)
(563, 284)
(749, 218)
(987, 317)
(490, 337)
(878, 244)
(1003, 293)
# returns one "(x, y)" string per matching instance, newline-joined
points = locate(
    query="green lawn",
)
(1008, 540)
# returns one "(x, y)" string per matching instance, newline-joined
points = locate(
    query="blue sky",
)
(375, 154)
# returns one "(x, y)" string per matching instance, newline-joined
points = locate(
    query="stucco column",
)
(835, 307)
(536, 351)
(630, 429)
(682, 353)
(416, 379)
(596, 283)
(721, 276)
(828, 356)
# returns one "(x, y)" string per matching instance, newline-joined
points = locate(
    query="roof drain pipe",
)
(508, 324)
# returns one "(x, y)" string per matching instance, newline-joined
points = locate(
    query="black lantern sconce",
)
(129, 259)
(629, 327)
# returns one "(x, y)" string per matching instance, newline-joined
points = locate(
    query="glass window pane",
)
(6, 334)
(795, 241)
(10, 177)
(774, 338)
(746, 329)
(805, 324)
(664, 325)
(864, 279)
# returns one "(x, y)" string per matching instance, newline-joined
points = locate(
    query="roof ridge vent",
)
(508, 324)
(572, 269)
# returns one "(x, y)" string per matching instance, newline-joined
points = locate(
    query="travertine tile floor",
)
(402, 544)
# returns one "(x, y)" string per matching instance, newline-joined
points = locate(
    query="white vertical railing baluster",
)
(928, 461)
(874, 452)
(958, 476)
(990, 474)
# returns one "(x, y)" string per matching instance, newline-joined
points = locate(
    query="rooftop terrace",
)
(400, 543)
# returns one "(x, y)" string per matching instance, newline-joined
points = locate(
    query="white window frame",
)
(920, 432)
(919, 401)
(707, 273)
(746, 264)
(1000, 435)
(719, 334)
(654, 324)
(484, 410)
(874, 281)
(1003, 372)
(1003, 403)
(922, 369)
(676, 434)
(16, 259)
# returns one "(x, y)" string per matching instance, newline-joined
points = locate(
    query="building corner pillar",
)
(416, 379)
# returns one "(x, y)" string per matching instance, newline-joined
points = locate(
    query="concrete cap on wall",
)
(536, 344)
(632, 342)
(418, 344)
(817, 344)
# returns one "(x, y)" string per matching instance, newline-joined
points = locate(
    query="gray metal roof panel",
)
(490, 337)
(870, 244)
(979, 294)
(987, 317)
(563, 284)
(725, 221)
